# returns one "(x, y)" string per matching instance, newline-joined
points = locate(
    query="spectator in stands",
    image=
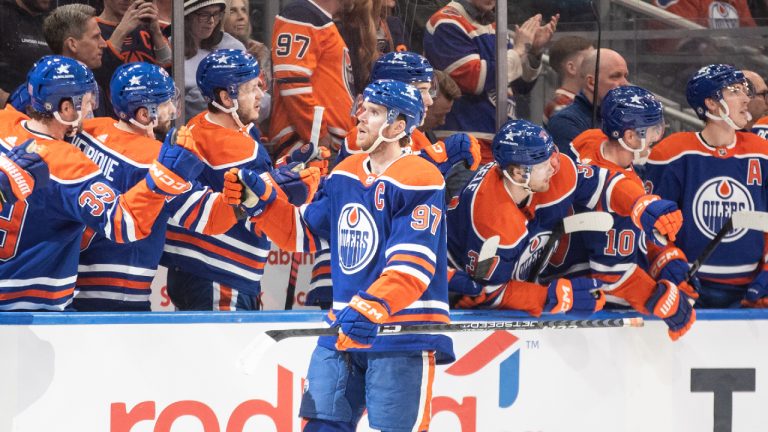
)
(565, 57)
(311, 67)
(390, 35)
(574, 119)
(133, 33)
(203, 34)
(357, 25)
(460, 39)
(73, 31)
(164, 13)
(21, 41)
(758, 106)
(238, 23)
(715, 14)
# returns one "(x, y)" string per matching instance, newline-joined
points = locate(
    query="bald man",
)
(565, 125)
(758, 107)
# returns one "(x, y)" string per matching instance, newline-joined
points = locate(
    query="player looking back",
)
(382, 213)
(710, 174)
(43, 234)
(115, 276)
(632, 121)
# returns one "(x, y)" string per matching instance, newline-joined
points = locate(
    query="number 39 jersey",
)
(709, 184)
(41, 236)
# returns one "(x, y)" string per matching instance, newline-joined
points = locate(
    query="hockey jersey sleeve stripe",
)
(117, 223)
(205, 215)
(13, 283)
(320, 270)
(113, 282)
(255, 276)
(602, 174)
(208, 247)
(412, 260)
(296, 91)
(470, 73)
(440, 318)
(412, 247)
(399, 286)
(189, 201)
(116, 268)
(38, 293)
(220, 217)
(291, 68)
(621, 195)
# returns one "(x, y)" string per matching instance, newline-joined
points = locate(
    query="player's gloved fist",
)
(257, 193)
(670, 304)
(757, 293)
(22, 171)
(578, 296)
(657, 217)
(176, 165)
(233, 189)
(359, 322)
(299, 184)
(460, 282)
(456, 148)
(672, 264)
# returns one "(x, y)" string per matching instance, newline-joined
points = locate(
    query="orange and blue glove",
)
(576, 297)
(22, 170)
(757, 292)
(176, 166)
(359, 321)
(671, 305)
(455, 149)
(672, 264)
(297, 183)
(656, 216)
(257, 193)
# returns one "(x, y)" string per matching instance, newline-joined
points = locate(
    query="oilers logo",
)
(723, 15)
(714, 203)
(530, 255)
(358, 238)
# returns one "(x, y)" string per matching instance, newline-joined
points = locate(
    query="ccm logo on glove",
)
(367, 309)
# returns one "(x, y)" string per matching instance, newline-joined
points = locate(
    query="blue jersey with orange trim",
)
(42, 235)
(387, 237)
(237, 257)
(113, 276)
(466, 49)
(708, 184)
(761, 127)
(485, 209)
(610, 254)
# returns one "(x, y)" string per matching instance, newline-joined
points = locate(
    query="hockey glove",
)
(233, 189)
(671, 305)
(757, 293)
(176, 165)
(657, 217)
(671, 264)
(298, 184)
(578, 296)
(459, 282)
(359, 322)
(257, 193)
(456, 148)
(22, 171)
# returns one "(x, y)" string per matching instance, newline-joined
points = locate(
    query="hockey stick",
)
(486, 258)
(314, 140)
(261, 345)
(753, 220)
(589, 221)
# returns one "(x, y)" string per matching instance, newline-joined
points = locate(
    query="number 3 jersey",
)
(41, 236)
(387, 236)
(709, 184)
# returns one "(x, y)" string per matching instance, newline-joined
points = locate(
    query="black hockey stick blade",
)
(588, 221)
(752, 220)
(486, 258)
(260, 346)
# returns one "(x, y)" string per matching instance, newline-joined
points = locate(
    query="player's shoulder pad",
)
(492, 212)
(561, 185)
(450, 14)
(750, 144)
(305, 12)
(414, 171)
(67, 164)
(135, 148)
(762, 121)
(10, 116)
(587, 144)
(675, 146)
(220, 147)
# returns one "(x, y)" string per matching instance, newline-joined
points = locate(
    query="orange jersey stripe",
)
(39, 294)
(419, 317)
(214, 249)
(115, 282)
(413, 259)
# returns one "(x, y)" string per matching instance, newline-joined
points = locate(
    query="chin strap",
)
(148, 128)
(232, 111)
(380, 138)
(524, 185)
(637, 159)
(725, 115)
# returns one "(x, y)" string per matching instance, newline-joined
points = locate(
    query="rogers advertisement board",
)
(177, 372)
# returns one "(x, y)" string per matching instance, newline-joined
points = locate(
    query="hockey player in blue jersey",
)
(43, 233)
(382, 212)
(711, 174)
(117, 277)
(632, 121)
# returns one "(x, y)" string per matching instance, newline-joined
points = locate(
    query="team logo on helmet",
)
(714, 203)
(358, 238)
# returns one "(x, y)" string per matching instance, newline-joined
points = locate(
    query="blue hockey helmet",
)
(20, 98)
(708, 82)
(630, 107)
(403, 66)
(400, 99)
(520, 142)
(225, 69)
(140, 85)
(54, 79)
